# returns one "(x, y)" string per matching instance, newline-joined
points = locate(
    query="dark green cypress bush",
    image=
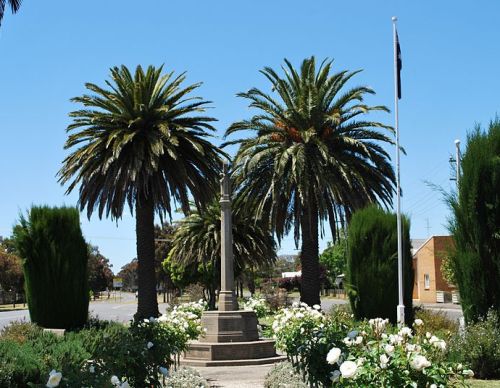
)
(372, 264)
(55, 255)
(475, 224)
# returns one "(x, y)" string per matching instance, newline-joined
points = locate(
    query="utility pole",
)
(427, 227)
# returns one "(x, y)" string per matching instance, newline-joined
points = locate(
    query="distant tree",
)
(99, 270)
(11, 271)
(14, 7)
(55, 254)
(129, 274)
(197, 240)
(475, 224)
(163, 244)
(141, 142)
(372, 265)
(334, 258)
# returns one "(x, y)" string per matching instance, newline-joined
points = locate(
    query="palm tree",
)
(14, 7)
(197, 241)
(138, 143)
(311, 158)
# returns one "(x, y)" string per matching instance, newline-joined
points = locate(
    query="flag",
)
(399, 65)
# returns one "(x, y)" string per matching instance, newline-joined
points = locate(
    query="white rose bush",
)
(257, 304)
(370, 353)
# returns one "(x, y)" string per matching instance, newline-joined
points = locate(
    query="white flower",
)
(419, 362)
(348, 369)
(125, 385)
(316, 307)
(359, 340)
(333, 355)
(410, 347)
(384, 360)
(405, 331)
(149, 345)
(347, 341)
(54, 379)
(441, 344)
(418, 322)
(92, 369)
(468, 372)
(163, 371)
(433, 386)
(360, 361)
(115, 380)
(389, 349)
(428, 335)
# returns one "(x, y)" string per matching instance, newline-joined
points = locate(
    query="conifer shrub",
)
(372, 265)
(475, 224)
(55, 256)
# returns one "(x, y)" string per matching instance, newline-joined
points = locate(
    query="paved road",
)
(115, 309)
(453, 311)
(122, 309)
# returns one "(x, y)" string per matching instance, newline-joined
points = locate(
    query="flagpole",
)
(400, 312)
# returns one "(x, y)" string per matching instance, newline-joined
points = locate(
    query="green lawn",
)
(484, 383)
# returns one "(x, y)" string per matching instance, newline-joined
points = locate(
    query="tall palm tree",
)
(197, 240)
(311, 157)
(138, 143)
(14, 7)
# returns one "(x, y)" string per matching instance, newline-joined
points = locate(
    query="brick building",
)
(427, 257)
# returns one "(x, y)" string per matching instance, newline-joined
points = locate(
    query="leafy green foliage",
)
(372, 269)
(475, 224)
(479, 347)
(14, 7)
(334, 258)
(310, 156)
(11, 271)
(55, 266)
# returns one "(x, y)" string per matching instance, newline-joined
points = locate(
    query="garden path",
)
(235, 376)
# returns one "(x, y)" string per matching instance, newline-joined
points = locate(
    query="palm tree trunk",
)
(147, 301)
(309, 257)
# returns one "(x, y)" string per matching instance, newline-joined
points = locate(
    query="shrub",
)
(479, 347)
(305, 334)
(284, 375)
(55, 266)
(327, 351)
(20, 331)
(257, 304)
(474, 226)
(186, 377)
(372, 270)
(437, 322)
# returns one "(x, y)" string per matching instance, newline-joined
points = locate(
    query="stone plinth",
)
(231, 339)
(229, 326)
(231, 353)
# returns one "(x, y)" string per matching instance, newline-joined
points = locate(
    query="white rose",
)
(418, 322)
(316, 307)
(468, 372)
(440, 345)
(333, 355)
(419, 362)
(54, 379)
(405, 331)
(359, 340)
(149, 345)
(428, 335)
(115, 380)
(384, 360)
(348, 369)
(389, 349)
(433, 386)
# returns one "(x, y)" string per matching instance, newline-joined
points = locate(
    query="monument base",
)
(231, 339)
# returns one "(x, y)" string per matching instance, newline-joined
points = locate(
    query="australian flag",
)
(399, 65)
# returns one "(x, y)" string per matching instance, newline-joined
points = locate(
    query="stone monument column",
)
(227, 298)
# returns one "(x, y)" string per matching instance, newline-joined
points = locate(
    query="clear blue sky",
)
(48, 50)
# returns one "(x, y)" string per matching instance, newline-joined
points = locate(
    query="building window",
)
(427, 281)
